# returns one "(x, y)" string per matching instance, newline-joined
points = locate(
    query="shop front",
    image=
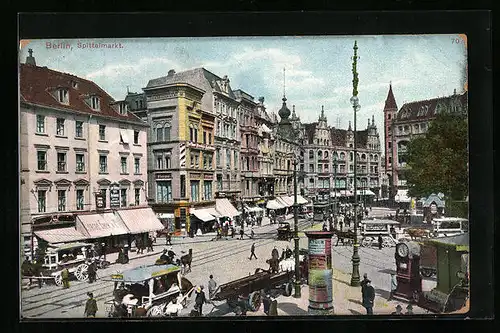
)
(202, 219)
(105, 228)
(139, 222)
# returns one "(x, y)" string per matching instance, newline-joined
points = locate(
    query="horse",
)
(415, 233)
(273, 265)
(343, 235)
(186, 260)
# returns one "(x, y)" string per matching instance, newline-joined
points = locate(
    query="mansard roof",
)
(429, 108)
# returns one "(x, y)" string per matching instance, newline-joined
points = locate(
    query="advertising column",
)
(320, 273)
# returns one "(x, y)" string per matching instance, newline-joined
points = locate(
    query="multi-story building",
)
(250, 140)
(323, 143)
(265, 160)
(180, 110)
(76, 141)
(413, 119)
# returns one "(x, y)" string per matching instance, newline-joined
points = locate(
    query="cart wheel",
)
(82, 273)
(58, 280)
(366, 242)
(288, 289)
(154, 311)
(254, 301)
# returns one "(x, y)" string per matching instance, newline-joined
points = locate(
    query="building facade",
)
(76, 142)
(412, 120)
(323, 144)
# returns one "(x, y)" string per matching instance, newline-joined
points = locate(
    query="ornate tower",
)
(390, 112)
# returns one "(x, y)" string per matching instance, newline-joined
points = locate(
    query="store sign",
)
(208, 177)
(163, 176)
(114, 196)
(100, 201)
(376, 227)
(317, 246)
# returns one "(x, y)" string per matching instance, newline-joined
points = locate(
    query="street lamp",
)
(335, 162)
(296, 229)
(355, 279)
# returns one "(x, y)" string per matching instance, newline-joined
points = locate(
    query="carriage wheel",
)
(155, 311)
(288, 289)
(58, 280)
(254, 301)
(82, 273)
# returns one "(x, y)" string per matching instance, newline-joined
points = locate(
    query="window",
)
(207, 190)
(311, 154)
(123, 163)
(61, 162)
(137, 196)
(123, 197)
(62, 96)
(195, 135)
(236, 160)
(351, 156)
(61, 200)
(79, 199)
(95, 103)
(42, 160)
(342, 168)
(40, 123)
(166, 132)
(326, 154)
(159, 133)
(183, 186)
(159, 162)
(137, 167)
(123, 108)
(80, 163)
(191, 133)
(136, 137)
(103, 164)
(209, 138)
(228, 158)
(311, 167)
(320, 168)
(42, 201)
(311, 181)
(60, 126)
(103, 192)
(204, 137)
(388, 116)
(79, 129)
(217, 157)
(195, 190)
(168, 163)
(389, 145)
(102, 132)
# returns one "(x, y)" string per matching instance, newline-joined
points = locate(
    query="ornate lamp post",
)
(296, 229)
(355, 279)
(335, 163)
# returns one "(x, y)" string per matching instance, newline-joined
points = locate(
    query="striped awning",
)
(140, 220)
(274, 204)
(60, 235)
(301, 200)
(225, 208)
(203, 214)
(213, 212)
(285, 201)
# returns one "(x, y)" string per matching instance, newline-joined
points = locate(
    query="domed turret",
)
(284, 112)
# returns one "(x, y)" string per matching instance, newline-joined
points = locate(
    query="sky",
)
(318, 69)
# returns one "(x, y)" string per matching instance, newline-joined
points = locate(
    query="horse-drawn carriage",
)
(284, 231)
(168, 257)
(371, 229)
(151, 291)
(73, 256)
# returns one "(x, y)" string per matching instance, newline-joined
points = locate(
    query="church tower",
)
(390, 112)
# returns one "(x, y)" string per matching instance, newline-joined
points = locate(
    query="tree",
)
(437, 162)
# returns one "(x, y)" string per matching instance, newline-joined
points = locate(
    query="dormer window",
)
(122, 108)
(95, 103)
(62, 96)
(74, 84)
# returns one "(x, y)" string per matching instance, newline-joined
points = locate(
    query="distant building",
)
(412, 120)
(76, 142)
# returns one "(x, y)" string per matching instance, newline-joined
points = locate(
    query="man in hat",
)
(398, 312)
(90, 306)
(252, 252)
(241, 232)
(409, 310)
(200, 299)
(212, 286)
(65, 278)
(369, 298)
(394, 286)
(380, 241)
(92, 271)
(363, 284)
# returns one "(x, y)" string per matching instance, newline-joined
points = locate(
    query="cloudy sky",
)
(318, 69)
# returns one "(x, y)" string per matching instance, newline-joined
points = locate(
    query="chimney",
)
(171, 72)
(261, 100)
(30, 60)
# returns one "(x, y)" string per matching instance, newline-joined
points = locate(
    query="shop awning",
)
(139, 220)
(345, 193)
(366, 192)
(285, 201)
(301, 200)
(202, 214)
(274, 204)
(60, 235)
(225, 208)
(213, 212)
(100, 225)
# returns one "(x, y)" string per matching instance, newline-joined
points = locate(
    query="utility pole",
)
(296, 230)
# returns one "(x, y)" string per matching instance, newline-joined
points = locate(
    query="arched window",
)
(311, 154)
(159, 132)
(342, 156)
(371, 157)
(166, 132)
(363, 157)
(326, 153)
(351, 156)
(320, 154)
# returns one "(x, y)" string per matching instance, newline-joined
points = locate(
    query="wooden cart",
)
(284, 231)
(246, 292)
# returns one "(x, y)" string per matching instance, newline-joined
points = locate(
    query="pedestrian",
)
(150, 244)
(324, 227)
(252, 233)
(168, 240)
(393, 232)
(341, 224)
(399, 308)
(232, 232)
(409, 310)
(380, 241)
(65, 278)
(241, 233)
(90, 306)
(266, 300)
(200, 300)
(273, 308)
(363, 285)
(252, 252)
(394, 286)
(92, 272)
(369, 298)
(103, 251)
(212, 287)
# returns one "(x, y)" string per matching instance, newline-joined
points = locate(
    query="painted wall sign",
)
(100, 201)
(114, 196)
(163, 176)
